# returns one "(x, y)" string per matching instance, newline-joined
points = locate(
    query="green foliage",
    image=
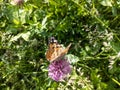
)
(92, 26)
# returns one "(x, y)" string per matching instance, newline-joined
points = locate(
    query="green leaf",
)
(44, 23)
(72, 58)
(106, 3)
(25, 36)
(114, 11)
(115, 45)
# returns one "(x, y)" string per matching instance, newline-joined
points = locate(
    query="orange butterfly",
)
(55, 51)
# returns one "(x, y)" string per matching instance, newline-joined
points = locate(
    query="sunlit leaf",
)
(16, 21)
(25, 36)
(72, 58)
(106, 2)
(44, 23)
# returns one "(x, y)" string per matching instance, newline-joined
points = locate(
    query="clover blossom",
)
(59, 69)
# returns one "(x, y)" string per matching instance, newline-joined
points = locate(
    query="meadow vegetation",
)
(92, 26)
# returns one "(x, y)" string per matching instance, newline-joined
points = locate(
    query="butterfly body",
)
(55, 51)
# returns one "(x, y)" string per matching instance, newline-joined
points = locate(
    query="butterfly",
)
(55, 50)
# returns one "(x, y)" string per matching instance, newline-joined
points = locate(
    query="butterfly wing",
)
(59, 53)
(65, 51)
(51, 51)
(55, 51)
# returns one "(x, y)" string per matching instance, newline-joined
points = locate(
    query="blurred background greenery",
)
(92, 26)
